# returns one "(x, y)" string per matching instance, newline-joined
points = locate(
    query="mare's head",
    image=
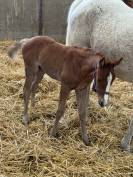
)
(103, 79)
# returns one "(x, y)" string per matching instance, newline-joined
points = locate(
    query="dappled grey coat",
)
(106, 26)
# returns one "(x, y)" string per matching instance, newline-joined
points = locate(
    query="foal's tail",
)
(13, 50)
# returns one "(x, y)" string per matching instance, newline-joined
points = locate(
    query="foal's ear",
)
(117, 62)
(102, 63)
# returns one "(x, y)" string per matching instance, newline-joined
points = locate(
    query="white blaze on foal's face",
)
(106, 95)
(103, 79)
(91, 85)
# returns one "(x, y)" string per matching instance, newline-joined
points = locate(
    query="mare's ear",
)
(117, 62)
(102, 62)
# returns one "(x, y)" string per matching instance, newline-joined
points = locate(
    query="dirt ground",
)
(30, 152)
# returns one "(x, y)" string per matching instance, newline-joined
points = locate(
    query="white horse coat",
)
(106, 26)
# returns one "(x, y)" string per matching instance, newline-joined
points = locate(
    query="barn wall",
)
(19, 18)
(55, 17)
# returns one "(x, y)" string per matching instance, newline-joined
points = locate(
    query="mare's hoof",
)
(125, 146)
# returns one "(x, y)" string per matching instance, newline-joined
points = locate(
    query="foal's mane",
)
(85, 50)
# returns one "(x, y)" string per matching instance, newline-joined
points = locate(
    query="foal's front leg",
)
(126, 141)
(82, 101)
(64, 93)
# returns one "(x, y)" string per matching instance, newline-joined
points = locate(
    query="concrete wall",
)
(19, 18)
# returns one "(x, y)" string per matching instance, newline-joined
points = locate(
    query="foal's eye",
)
(99, 80)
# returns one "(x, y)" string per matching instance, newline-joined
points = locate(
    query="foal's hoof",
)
(26, 121)
(86, 141)
(125, 146)
(54, 134)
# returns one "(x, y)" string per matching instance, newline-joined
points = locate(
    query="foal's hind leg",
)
(64, 93)
(37, 80)
(126, 141)
(82, 97)
(27, 92)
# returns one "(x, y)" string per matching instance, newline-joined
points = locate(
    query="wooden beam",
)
(40, 19)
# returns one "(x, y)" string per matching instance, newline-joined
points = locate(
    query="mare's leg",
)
(37, 80)
(126, 141)
(27, 92)
(82, 102)
(64, 93)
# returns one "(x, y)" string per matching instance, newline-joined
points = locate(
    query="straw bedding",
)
(30, 152)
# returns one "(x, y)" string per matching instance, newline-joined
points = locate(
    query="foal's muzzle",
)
(104, 100)
(101, 103)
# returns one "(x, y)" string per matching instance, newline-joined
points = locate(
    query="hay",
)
(30, 152)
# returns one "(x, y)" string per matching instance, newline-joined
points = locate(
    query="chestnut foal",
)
(74, 67)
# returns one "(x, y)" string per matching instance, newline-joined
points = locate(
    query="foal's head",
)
(103, 78)
(129, 3)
